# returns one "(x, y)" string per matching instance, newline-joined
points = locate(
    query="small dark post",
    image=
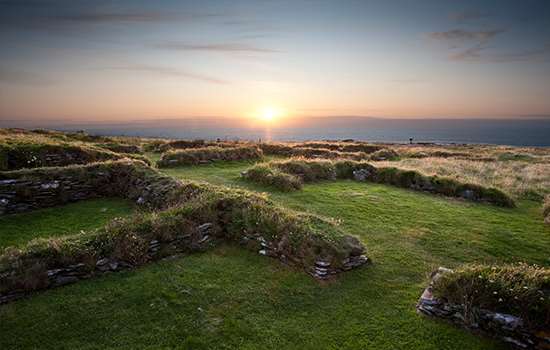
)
(410, 140)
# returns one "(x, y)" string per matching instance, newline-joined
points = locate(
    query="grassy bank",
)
(230, 298)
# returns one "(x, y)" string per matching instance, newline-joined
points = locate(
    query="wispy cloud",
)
(468, 15)
(221, 47)
(169, 72)
(465, 35)
(480, 54)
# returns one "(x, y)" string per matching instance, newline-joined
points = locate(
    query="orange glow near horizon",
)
(270, 114)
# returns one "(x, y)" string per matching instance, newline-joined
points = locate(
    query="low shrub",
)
(204, 155)
(270, 176)
(520, 290)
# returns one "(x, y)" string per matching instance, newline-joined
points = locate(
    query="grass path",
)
(228, 298)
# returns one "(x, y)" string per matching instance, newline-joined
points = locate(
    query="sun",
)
(269, 113)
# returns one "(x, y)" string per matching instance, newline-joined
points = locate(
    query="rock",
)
(322, 263)
(468, 194)
(63, 280)
(113, 265)
(361, 175)
(205, 227)
(102, 261)
(354, 245)
(7, 182)
(48, 185)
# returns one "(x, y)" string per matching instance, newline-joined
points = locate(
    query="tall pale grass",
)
(517, 178)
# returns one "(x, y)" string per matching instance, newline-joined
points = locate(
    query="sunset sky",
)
(123, 60)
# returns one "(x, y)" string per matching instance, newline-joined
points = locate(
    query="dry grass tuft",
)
(518, 178)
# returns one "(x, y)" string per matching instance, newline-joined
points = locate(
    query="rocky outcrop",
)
(508, 328)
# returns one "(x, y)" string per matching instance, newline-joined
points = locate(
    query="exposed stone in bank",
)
(214, 214)
(508, 328)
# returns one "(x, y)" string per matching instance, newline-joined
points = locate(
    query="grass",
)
(18, 229)
(518, 178)
(229, 298)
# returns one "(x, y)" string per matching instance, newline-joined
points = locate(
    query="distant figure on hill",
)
(410, 140)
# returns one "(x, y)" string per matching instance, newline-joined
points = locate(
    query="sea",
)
(516, 132)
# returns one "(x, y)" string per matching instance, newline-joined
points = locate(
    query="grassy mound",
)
(181, 209)
(546, 210)
(445, 186)
(235, 215)
(520, 290)
(316, 170)
(266, 175)
(329, 150)
(207, 154)
(19, 155)
(120, 147)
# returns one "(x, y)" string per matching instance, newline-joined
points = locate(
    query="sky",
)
(128, 60)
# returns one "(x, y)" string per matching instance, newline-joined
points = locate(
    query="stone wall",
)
(83, 269)
(30, 189)
(187, 216)
(508, 328)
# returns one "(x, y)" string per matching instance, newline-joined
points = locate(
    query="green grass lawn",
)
(18, 229)
(229, 298)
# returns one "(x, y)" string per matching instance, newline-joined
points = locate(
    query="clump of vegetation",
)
(276, 149)
(155, 146)
(329, 150)
(384, 154)
(120, 147)
(322, 153)
(316, 170)
(306, 169)
(546, 209)
(33, 155)
(521, 290)
(441, 185)
(521, 179)
(270, 176)
(195, 156)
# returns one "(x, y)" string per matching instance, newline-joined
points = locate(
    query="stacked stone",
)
(72, 273)
(19, 195)
(508, 328)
